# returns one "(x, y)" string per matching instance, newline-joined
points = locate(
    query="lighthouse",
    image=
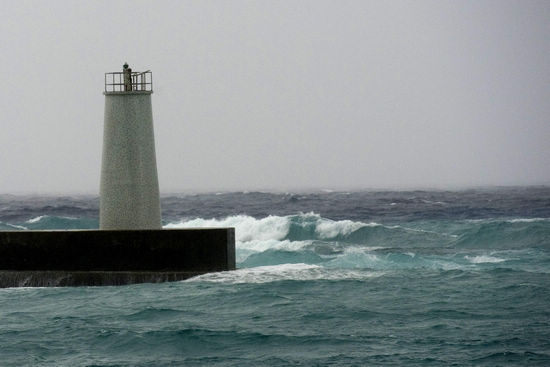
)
(129, 190)
(130, 246)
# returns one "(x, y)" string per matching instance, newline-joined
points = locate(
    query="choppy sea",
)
(415, 278)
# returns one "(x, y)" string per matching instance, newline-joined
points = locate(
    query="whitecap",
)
(14, 226)
(36, 219)
(246, 228)
(267, 274)
(326, 228)
(528, 220)
(43, 217)
(274, 227)
(264, 245)
(484, 259)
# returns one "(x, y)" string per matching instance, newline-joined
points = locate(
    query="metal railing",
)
(140, 82)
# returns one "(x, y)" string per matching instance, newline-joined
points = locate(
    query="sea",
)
(324, 278)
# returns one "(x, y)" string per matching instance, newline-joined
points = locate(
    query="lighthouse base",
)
(101, 257)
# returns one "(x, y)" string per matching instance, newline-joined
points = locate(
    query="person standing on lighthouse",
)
(127, 77)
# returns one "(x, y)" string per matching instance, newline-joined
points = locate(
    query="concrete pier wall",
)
(129, 190)
(103, 257)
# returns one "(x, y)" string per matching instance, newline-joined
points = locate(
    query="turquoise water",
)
(324, 279)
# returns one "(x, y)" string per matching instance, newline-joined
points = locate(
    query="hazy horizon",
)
(304, 190)
(283, 96)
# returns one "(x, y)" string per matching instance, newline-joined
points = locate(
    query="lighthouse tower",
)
(129, 190)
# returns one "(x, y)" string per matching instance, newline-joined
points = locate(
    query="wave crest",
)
(284, 272)
(301, 227)
(246, 228)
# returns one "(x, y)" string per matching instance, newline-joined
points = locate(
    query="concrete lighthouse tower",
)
(129, 190)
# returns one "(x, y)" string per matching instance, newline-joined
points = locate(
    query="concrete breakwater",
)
(112, 257)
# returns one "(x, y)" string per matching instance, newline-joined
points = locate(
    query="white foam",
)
(14, 226)
(360, 258)
(267, 274)
(528, 220)
(484, 259)
(36, 219)
(326, 228)
(516, 220)
(355, 258)
(246, 228)
(260, 246)
(274, 227)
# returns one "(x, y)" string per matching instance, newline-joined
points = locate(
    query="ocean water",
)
(416, 278)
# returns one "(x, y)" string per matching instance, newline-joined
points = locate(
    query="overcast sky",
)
(282, 94)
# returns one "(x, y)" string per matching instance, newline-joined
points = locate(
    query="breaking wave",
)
(312, 227)
(267, 274)
(320, 243)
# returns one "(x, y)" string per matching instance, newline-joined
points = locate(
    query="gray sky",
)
(282, 94)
